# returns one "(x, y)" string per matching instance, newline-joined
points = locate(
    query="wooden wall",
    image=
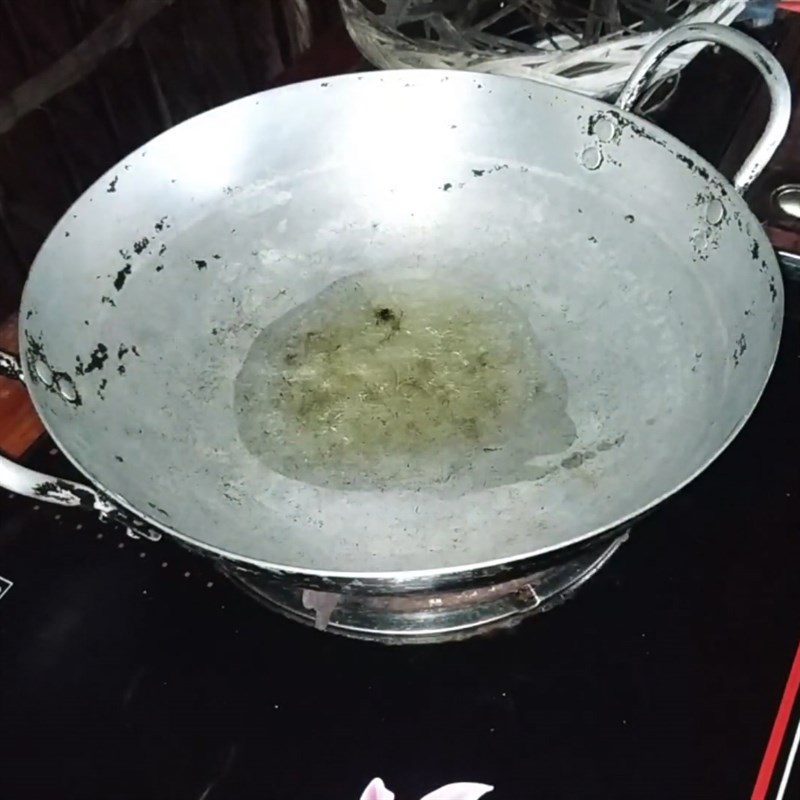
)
(83, 82)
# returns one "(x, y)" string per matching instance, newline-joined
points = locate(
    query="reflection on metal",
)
(790, 264)
(43, 372)
(787, 199)
(425, 617)
(604, 129)
(591, 157)
(66, 388)
(715, 211)
(9, 366)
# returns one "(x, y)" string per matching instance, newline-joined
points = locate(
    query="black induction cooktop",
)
(132, 669)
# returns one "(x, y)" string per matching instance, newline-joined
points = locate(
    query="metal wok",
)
(403, 330)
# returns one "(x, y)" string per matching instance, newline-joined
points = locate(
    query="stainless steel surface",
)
(758, 56)
(787, 199)
(790, 263)
(648, 318)
(425, 617)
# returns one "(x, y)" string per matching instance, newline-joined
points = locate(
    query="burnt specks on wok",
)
(606, 127)
(122, 276)
(41, 371)
(139, 247)
(97, 359)
(738, 350)
(620, 121)
(61, 383)
(479, 173)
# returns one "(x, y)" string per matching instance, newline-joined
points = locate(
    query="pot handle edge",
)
(768, 66)
(60, 491)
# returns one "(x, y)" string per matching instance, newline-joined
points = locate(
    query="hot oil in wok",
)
(407, 383)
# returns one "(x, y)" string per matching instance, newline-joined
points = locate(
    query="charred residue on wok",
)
(97, 358)
(622, 121)
(479, 173)
(122, 276)
(738, 350)
(35, 355)
(139, 246)
(123, 273)
(716, 188)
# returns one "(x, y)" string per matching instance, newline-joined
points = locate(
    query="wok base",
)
(430, 617)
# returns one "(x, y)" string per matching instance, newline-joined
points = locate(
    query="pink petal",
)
(377, 791)
(459, 791)
(323, 604)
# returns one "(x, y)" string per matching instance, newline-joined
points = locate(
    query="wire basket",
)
(588, 46)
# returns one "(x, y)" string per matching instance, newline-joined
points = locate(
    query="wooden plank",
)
(20, 426)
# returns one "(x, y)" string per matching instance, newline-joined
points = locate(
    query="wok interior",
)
(247, 228)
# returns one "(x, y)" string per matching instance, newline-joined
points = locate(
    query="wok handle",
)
(745, 46)
(39, 486)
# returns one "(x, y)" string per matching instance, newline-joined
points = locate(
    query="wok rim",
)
(495, 566)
